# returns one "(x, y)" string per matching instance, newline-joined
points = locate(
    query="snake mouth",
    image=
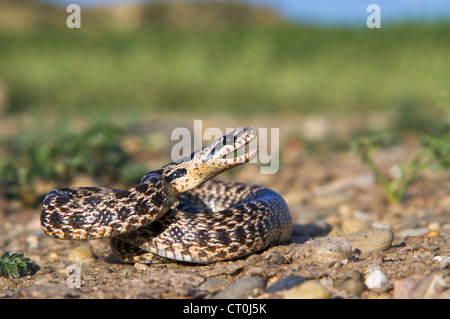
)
(232, 148)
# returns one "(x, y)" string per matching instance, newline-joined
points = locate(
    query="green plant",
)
(434, 150)
(14, 265)
(60, 155)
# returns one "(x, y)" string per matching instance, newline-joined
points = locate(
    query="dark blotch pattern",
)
(223, 237)
(141, 208)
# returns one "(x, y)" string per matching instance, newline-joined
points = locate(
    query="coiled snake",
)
(176, 212)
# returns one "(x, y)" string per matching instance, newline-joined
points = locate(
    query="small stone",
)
(413, 232)
(433, 233)
(6, 282)
(63, 271)
(445, 262)
(311, 289)
(351, 286)
(214, 284)
(373, 239)
(324, 250)
(32, 241)
(242, 289)
(53, 257)
(276, 259)
(434, 226)
(285, 283)
(375, 278)
(128, 270)
(140, 266)
(81, 254)
(418, 287)
(354, 224)
(105, 272)
(46, 288)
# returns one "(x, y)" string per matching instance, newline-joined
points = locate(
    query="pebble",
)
(372, 239)
(364, 179)
(413, 232)
(47, 288)
(141, 266)
(433, 233)
(418, 287)
(128, 270)
(81, 254)
(311, 289)
(276, 259)
(434, 226)
(354, 224)
(350, 286)
(32, 241)
(214, 284)
(242, 289)
(324, 250)
(375, 278)
(53, 257)
(285, 283)
(444, 261)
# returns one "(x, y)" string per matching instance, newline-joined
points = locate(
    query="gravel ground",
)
(329, 197)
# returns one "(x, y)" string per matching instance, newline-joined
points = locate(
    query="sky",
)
(335, 12)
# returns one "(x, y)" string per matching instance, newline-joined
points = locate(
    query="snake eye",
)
(180, 172)
(210, 155)
(230, 138)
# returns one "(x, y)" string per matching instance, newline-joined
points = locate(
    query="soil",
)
(328, 195)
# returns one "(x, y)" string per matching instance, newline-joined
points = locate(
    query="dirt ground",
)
(333, 195)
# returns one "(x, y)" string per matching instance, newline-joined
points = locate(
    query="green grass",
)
(59, 155)
(239, 70)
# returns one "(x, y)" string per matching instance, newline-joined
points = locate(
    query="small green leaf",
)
(14, 265)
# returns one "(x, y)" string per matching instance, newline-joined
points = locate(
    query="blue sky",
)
(336, 12)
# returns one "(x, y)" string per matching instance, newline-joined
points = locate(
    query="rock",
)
(311, 289)
(53, 257)
(214, 284)
(141, 266)
(32, 241)
(413, 232)
(444, 261)
(364, 179)
(373, 239)
(350, 286)
(81, 254)
(323, 250)
(276, 259)
(375, 278)
(128, 270)
(354, 224)
(46, 288)
(285, 283)
(418, 287)
(433, 233)
(243, 288)
(6, 282)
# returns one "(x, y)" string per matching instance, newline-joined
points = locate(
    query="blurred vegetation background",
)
(212, 57)
(195, 60)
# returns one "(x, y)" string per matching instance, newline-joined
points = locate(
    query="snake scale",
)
(177, 212)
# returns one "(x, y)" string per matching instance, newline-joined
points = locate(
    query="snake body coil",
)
(176, 212)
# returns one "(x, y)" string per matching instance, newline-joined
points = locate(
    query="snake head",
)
(218, 156)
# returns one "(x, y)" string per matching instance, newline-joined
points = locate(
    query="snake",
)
(178, 213)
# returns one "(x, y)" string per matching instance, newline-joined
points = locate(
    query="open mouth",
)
(235, 147)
